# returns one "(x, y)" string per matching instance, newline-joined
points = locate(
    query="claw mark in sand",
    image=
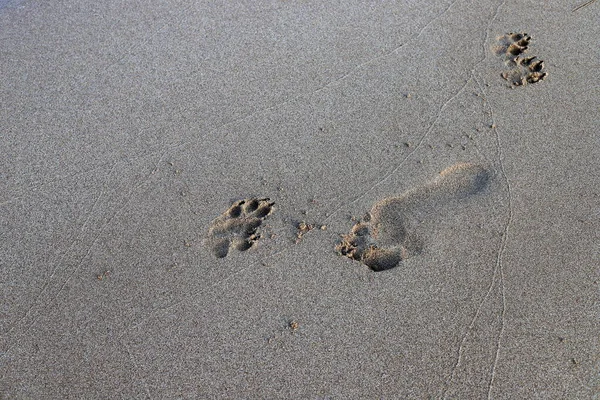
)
(520, 70)
(393, 230)
(237, 227)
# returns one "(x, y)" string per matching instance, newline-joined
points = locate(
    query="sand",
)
(129, 130)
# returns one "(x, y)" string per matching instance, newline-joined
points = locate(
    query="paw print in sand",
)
(237, 227)
(520, 69)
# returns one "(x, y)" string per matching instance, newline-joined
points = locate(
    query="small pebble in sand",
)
(303, 228)
(103, 275)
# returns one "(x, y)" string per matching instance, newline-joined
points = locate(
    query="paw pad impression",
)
(520, 69)
(238, 226)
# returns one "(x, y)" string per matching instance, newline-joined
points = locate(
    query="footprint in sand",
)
(237, 227)
(520, 70)
(395, 227)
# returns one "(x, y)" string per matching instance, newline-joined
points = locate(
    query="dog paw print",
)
(512, 45)
(520, 69)
(237, 227)
(526, 70)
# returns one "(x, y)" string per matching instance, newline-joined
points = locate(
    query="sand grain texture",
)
(127, 130)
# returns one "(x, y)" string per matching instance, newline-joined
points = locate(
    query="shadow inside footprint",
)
(390, 232)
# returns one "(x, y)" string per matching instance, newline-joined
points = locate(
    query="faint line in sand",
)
(587, 3)
(273, 107)
(461, 347)
(48, 304)
(499, 263)
(401, 163)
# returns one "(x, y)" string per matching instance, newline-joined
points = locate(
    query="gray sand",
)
(127, 128)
